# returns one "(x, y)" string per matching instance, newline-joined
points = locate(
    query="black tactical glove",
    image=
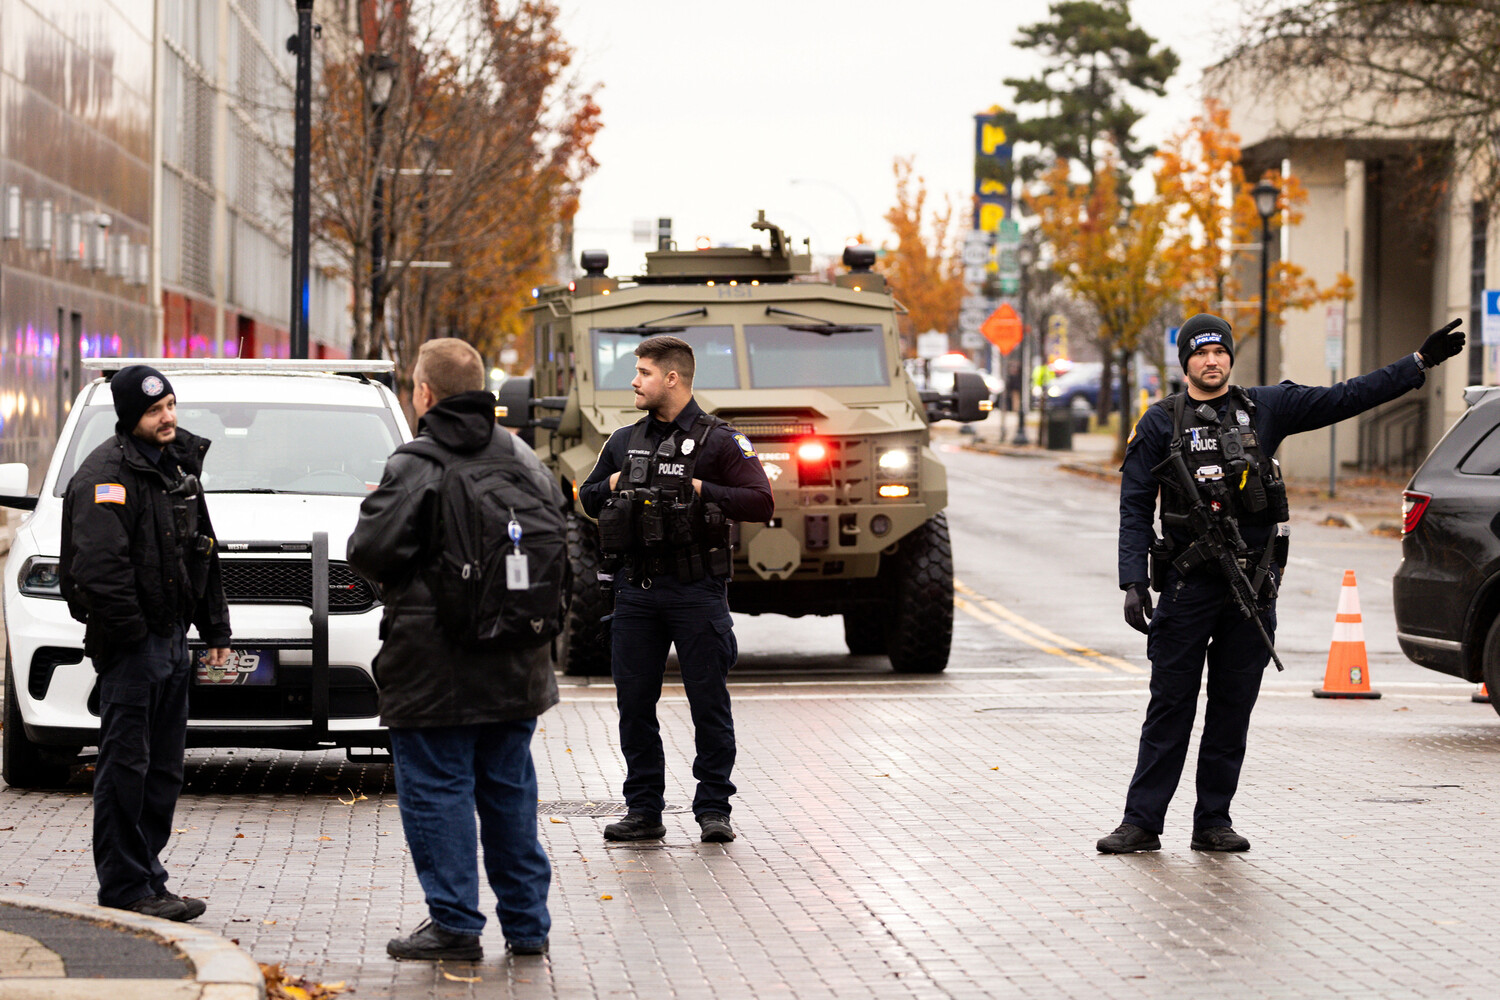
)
(1138, 607)
(1442, 345)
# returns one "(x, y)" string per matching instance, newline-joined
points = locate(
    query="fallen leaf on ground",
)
(353, 798)
(239, 836)
(325, 838)
(606, 896)
(557, 819)
(281, 985)
(461, 979)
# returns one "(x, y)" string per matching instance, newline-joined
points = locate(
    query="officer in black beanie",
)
(138, 566)
(1226, 435)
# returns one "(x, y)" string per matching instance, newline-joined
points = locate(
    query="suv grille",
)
(289, 581)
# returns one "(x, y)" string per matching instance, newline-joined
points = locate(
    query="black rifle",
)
(1216, 540)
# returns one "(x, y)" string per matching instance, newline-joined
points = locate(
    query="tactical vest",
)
(655, 519)
(1226, 460)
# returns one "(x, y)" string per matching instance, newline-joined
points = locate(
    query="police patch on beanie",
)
(136, 389)
(1200, 331)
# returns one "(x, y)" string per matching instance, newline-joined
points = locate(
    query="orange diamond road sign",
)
(1002, 328)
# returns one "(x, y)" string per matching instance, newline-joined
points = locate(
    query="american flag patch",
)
(109, 493)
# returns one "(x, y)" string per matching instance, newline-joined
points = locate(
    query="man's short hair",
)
(450, 366)
(670, 354)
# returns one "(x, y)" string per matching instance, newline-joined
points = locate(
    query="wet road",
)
(916, 836)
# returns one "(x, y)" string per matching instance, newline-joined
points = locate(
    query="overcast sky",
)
(712, 111)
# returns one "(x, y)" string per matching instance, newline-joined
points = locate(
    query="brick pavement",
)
(923, 838)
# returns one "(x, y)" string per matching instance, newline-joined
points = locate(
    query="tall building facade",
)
(144, 171)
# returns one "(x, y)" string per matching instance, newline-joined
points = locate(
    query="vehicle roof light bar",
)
(246, 366)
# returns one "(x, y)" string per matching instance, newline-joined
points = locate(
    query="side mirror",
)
(14, 477)
(514, 407)
(971, 397)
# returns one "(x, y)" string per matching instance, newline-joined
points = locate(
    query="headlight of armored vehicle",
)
(895, 460)
(40, 577)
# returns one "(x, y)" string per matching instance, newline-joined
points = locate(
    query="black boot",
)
(194, 908)
(716, 828)
(1128, 839)
(429, 942)
(636, 826)
(1219, 838)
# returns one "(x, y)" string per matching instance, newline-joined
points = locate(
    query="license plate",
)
(245, 666)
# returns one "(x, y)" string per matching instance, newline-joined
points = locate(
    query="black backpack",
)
(482, 499)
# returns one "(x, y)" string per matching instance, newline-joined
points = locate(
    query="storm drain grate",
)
(578, 807)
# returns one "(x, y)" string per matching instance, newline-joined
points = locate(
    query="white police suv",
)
(296, 445)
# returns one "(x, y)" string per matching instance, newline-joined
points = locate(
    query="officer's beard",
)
(1206, 388)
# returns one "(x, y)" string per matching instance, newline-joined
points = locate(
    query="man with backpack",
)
(465, 538)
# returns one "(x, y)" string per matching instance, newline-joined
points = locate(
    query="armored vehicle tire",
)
(23, 763)
(583, 648)
(864, 631)
(1491, 663)
(919, 627)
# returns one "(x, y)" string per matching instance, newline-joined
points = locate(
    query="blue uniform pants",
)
(443, 775)
(647, 621)
(143, 712)
(1196, 621)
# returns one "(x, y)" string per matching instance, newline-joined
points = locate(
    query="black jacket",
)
(731, 473)
(424, 679)
(125, 569)
(1280, 411)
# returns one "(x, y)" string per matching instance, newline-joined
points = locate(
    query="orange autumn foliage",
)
(924, 268)
(1200, 176)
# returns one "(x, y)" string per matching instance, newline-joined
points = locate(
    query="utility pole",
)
(301, 44)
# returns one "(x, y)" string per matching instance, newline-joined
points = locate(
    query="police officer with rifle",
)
(665, 492)
(1208, 453)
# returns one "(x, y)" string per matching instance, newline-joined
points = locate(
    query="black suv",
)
(1447, 591)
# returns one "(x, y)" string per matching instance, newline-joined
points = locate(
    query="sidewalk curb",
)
(222, 971)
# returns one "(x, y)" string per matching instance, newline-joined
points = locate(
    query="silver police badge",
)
(687, 446)
(1242, 417)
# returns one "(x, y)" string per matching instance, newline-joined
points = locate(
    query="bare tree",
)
(1386, 68)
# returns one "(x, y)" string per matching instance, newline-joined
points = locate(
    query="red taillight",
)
(812, 463)
(1413, 506)
(812, 452)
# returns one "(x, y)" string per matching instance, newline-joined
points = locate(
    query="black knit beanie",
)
(136, 389)
(1200, 330)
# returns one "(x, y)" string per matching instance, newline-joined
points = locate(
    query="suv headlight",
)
(40, 577)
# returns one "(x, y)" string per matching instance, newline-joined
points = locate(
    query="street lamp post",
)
(1025, 257)
(301, 178)
(380, 80)
(1265, 194)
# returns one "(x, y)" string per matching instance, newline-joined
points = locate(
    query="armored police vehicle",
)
(810, 371)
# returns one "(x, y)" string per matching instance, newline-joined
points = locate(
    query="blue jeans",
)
(143, 713)
(445, 773)
(647, 622)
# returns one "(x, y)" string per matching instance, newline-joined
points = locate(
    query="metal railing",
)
(1393, 439)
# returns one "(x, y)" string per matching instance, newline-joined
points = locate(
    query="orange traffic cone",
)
(1348, 673)
(1482, 695)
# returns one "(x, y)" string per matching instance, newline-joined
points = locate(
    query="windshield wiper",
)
(249, 489)
(829, 329)
(823, 326)
(646, 327)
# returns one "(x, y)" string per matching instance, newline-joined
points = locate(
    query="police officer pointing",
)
(1207, 451)
(664, 492)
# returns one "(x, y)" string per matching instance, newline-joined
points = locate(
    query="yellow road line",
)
(1007, 621)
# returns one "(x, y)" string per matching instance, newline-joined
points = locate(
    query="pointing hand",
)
(1442, 345)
